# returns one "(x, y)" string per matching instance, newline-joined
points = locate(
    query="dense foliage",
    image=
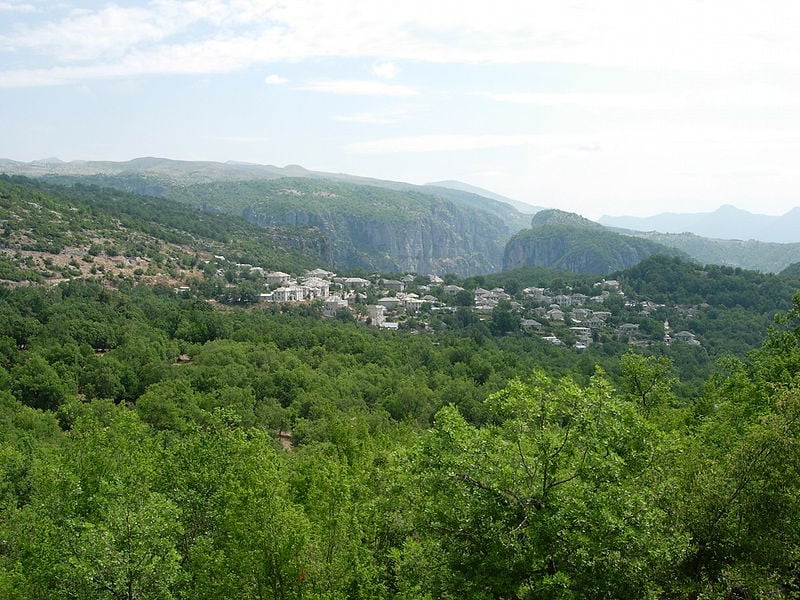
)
(158, 443)
(671, 280)
(153, 447)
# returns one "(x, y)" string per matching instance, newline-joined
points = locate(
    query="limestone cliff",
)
(444, 238)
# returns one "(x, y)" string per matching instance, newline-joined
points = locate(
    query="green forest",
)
(163, 444)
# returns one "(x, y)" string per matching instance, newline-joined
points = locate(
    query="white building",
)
(288, 293)
(319, 287)
(354, 283)
(376, 314)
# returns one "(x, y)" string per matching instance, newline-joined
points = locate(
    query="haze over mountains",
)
(727, 222)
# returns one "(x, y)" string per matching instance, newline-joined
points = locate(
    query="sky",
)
(600, 107)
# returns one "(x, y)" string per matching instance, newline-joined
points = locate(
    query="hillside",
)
(451, 230)
(58, 232)
(160, 441)
(560, 240)
(671, 280)
(747, 254)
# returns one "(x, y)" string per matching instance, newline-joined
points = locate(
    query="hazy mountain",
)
(452, 184)
(727, 222)
(768, 257)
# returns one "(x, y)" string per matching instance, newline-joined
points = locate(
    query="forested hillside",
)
(768, 257)
(156, 447)
(172, 435)
(366, 223)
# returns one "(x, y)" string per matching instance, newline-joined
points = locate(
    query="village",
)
(418, 303)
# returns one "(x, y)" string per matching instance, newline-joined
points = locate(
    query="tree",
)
(648, 379)
(504, 319)
(739, 484)
(551, 501)
(463, 298)
(38, 385)
(512, 286)
(95, 527)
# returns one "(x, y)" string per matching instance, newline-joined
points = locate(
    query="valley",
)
(193, 380)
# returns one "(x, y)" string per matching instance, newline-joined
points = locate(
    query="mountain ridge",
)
(453, 184)
(451, 231)
(164, 177)
(727, 222)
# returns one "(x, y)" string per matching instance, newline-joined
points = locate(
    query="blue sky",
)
(597, 107)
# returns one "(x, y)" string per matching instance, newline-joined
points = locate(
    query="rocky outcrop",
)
(442, 239)
(568, 243)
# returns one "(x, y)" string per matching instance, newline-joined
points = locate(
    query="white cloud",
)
(384, 70)
(740, 97)
(456, 142)
(168, 36)
(17, 7)
(274, 79)
(384, 117)
(591, 100)
(109, 32)
(240, 139)
(661, 143)
(358, 87)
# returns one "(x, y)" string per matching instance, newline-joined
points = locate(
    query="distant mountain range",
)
(443, 227)
(727, 223)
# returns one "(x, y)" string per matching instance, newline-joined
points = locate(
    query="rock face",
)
(369, 227)
(559, 240)
(353, 222)
(443, 239)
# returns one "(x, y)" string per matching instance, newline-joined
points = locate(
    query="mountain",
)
(727, 222)
(569, 242)
(522, 207)
(367, 227)
(367, 223)
(153, 176)
(168, 170)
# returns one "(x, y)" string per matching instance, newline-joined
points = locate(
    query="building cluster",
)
(337, 293)
(390, 301)
(544, 296)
